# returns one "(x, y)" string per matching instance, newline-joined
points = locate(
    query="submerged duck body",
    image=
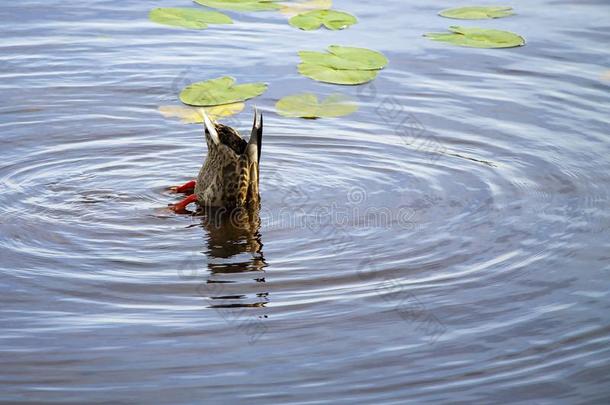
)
(229, 175)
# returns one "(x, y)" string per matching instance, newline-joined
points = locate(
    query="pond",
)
(446, 242)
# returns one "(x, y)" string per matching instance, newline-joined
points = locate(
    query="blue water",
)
(446, 243)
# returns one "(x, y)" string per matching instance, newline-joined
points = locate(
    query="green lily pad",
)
(222, 90)
(306, 105)
(477, 13)
(344, 57)
(331, 19)
(336, 76)
(292, 9)
(188, 17)
(478, 37)
(342, 65)
(241, 5)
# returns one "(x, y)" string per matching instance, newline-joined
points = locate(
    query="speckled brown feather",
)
(229, 175)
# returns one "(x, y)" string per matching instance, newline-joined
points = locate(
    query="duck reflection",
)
(235, 258)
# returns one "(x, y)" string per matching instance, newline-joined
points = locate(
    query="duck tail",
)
(256, 138)
(209, 126)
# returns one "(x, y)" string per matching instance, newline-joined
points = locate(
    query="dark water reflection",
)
(448, 242)
(234, 248)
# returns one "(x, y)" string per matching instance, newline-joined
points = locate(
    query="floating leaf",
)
(188, 17)
(293, 9)
(344, 57)
(224, 110)
(241, 5)
(336, 76)
(190, 115)
(477, 13)
(478, 37)
(342, 65)
(331, 19)
(306, 105)
(222, 90)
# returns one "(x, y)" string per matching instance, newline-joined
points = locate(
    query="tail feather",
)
(256, 138)
(209, 126)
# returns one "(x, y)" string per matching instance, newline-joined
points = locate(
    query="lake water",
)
(449, 242)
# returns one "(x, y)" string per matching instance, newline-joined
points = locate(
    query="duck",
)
(229, 176)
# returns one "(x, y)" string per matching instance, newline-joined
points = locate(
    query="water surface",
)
(448, 242)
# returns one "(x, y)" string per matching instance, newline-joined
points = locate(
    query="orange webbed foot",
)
(180, 207)
(186, 188)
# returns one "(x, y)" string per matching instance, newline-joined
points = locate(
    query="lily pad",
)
(306, 105)
(331, 19)
(188, 17)
(477, 13)
(336, 76)
(292, 9)
(241, 5)
(344, 57)
(478, 37)
(190, 115)
(342, 65)
(222, 90)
